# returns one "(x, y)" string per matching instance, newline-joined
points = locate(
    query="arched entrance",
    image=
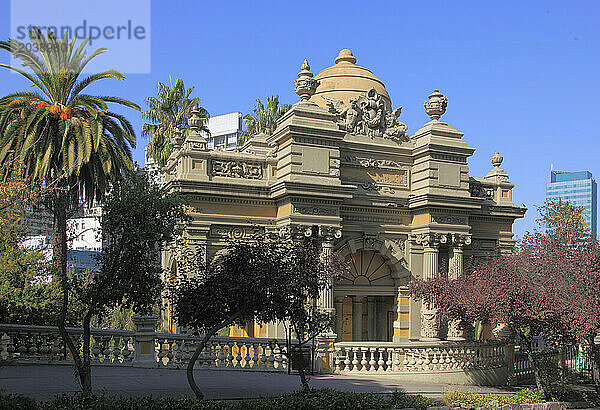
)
(366, 296)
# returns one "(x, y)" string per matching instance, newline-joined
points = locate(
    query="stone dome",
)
(345, 80)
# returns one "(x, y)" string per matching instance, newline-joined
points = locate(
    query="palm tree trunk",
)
(59, 266)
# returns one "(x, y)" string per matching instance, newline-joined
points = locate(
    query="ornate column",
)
(459, 241)
(328, 235)
(429, 320)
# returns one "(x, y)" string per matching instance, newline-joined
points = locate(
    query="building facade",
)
(577, 188)
(341, 167)
(84, 231)
(224, 131)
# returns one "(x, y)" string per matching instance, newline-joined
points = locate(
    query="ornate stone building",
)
(342, 167)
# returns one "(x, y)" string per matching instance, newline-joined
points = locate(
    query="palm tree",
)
(166, 112)
(69, 141)
(263, 120)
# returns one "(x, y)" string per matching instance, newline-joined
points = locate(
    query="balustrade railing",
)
(43, 344)
(20, 344)
(382, 357)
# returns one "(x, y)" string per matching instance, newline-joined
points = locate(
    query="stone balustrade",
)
(385, 357)
(26, 344)
(43, 344)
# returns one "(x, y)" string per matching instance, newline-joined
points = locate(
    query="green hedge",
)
(480, 400)
(326, 399)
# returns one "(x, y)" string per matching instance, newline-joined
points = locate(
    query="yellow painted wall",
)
(243, 210)
(421, 219)
(284, 210)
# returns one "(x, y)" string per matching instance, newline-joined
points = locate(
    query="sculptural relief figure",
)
(367, 115)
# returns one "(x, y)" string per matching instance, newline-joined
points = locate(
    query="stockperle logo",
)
(122, 27)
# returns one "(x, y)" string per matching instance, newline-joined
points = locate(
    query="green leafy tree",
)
(27, 293)
(138, 219)
(168, 111)
(264, 279)
(69, 141)
(263, 119)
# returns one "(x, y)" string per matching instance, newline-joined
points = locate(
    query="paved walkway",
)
(45, 382)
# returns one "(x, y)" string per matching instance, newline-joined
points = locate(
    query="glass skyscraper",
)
(578, 188)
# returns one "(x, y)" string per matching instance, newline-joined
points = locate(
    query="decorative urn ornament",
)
(177, 139)
(497, 160)
(195, 121)
(305, 85)
(436, 105)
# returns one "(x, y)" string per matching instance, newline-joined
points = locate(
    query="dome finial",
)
(345, 55)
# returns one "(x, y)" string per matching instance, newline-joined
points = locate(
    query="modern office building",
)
(224, 131)
(577, 188)
(84, 230)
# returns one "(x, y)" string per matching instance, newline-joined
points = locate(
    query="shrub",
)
(480, 400)
(326, 399)
(16, 402)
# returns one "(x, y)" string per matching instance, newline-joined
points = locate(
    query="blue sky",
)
(521, 77)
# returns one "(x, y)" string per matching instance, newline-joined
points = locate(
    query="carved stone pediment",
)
(368, 116)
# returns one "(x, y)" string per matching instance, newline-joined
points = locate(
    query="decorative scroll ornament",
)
(305, 85)
(431, 239)
(296, 232)
(236, 169)
(367, 115)
(461, 240)
(436, 105)
(329, 233)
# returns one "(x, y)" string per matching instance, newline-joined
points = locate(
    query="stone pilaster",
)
(357, 314)
(459, 241)
(429, 319)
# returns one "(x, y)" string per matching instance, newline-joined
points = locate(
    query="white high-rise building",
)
(84, 232)
(224, 131)
(151, 167)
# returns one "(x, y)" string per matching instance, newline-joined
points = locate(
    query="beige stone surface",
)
(345, 80)
(355, 180)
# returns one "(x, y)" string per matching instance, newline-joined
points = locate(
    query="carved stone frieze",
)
(315, 210)
(368, 116)
(350, 160)
(449, 219)
(234, 231)
(370, 186)
(236, 169)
